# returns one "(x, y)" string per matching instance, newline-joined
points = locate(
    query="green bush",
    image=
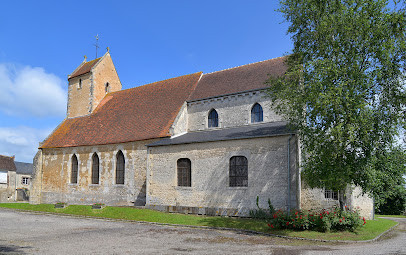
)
(262, 213)
(323, 221)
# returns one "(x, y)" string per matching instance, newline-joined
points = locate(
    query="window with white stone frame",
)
(25, 181)
(330, 194)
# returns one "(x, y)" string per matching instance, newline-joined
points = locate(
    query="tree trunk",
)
(342, 198)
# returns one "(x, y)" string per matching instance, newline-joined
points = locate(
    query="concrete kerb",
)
(206, 227)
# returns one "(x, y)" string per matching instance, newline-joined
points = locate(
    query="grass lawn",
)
(372, 229)
(391, 216)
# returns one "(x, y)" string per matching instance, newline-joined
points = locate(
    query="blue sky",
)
(41, 42)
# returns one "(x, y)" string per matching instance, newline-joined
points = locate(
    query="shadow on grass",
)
(237, 223)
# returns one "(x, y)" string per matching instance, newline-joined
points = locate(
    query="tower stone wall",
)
(87, 90)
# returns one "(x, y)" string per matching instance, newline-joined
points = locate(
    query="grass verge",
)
(371, 230)
(391, 216)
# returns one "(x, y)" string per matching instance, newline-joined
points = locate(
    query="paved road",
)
(30, 233)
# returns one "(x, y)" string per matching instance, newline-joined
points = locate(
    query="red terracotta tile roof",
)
(85, 68)
(135, 114)
(238, 79)
(7, 163)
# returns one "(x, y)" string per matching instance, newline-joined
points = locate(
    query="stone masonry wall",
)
(79, 97)
(57, 167)
(233, 110)
(82, 100)
(267, 175)
(104, 73)
(8, 191)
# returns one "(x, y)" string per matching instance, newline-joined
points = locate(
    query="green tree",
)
(344, 90)
(386, 177)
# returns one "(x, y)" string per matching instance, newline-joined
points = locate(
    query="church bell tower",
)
(89, 83)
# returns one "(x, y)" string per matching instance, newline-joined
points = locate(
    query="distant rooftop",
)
(24, 168)
(7, 163)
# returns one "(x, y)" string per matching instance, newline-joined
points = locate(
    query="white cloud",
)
(30, 91)
(21, 141)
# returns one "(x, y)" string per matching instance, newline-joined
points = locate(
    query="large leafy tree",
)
(344, 90)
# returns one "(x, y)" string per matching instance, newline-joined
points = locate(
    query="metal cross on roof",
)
(97, 43)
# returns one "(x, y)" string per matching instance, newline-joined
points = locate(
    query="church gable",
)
(135, 114)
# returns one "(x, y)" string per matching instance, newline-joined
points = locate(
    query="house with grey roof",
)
(15, 179)
(23, 180)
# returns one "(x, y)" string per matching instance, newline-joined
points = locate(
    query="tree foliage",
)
(344, 90)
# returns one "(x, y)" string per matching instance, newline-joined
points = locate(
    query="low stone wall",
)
(6, 195)
(313, 199)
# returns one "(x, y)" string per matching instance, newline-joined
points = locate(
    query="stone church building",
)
(198, 143)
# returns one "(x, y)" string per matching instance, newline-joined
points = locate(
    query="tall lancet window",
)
(95, 169)
(120, 168)
(107, 88)
(256, 113)
(74, 172)
(213, 119)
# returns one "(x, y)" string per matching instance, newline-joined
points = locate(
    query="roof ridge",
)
(245, 65)
(151, 83)
(6, 156)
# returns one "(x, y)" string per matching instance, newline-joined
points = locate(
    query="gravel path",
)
(32, 233)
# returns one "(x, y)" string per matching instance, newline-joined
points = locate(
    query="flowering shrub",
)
(324, 221)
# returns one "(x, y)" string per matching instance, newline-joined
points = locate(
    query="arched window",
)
(238, 171)
(256, 113)
(95, 169)
(120, 168)
(184, 172)
(213, 119)
(74, 172)
(107, 87)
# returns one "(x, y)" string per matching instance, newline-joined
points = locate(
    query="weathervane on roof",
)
(97, 43)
